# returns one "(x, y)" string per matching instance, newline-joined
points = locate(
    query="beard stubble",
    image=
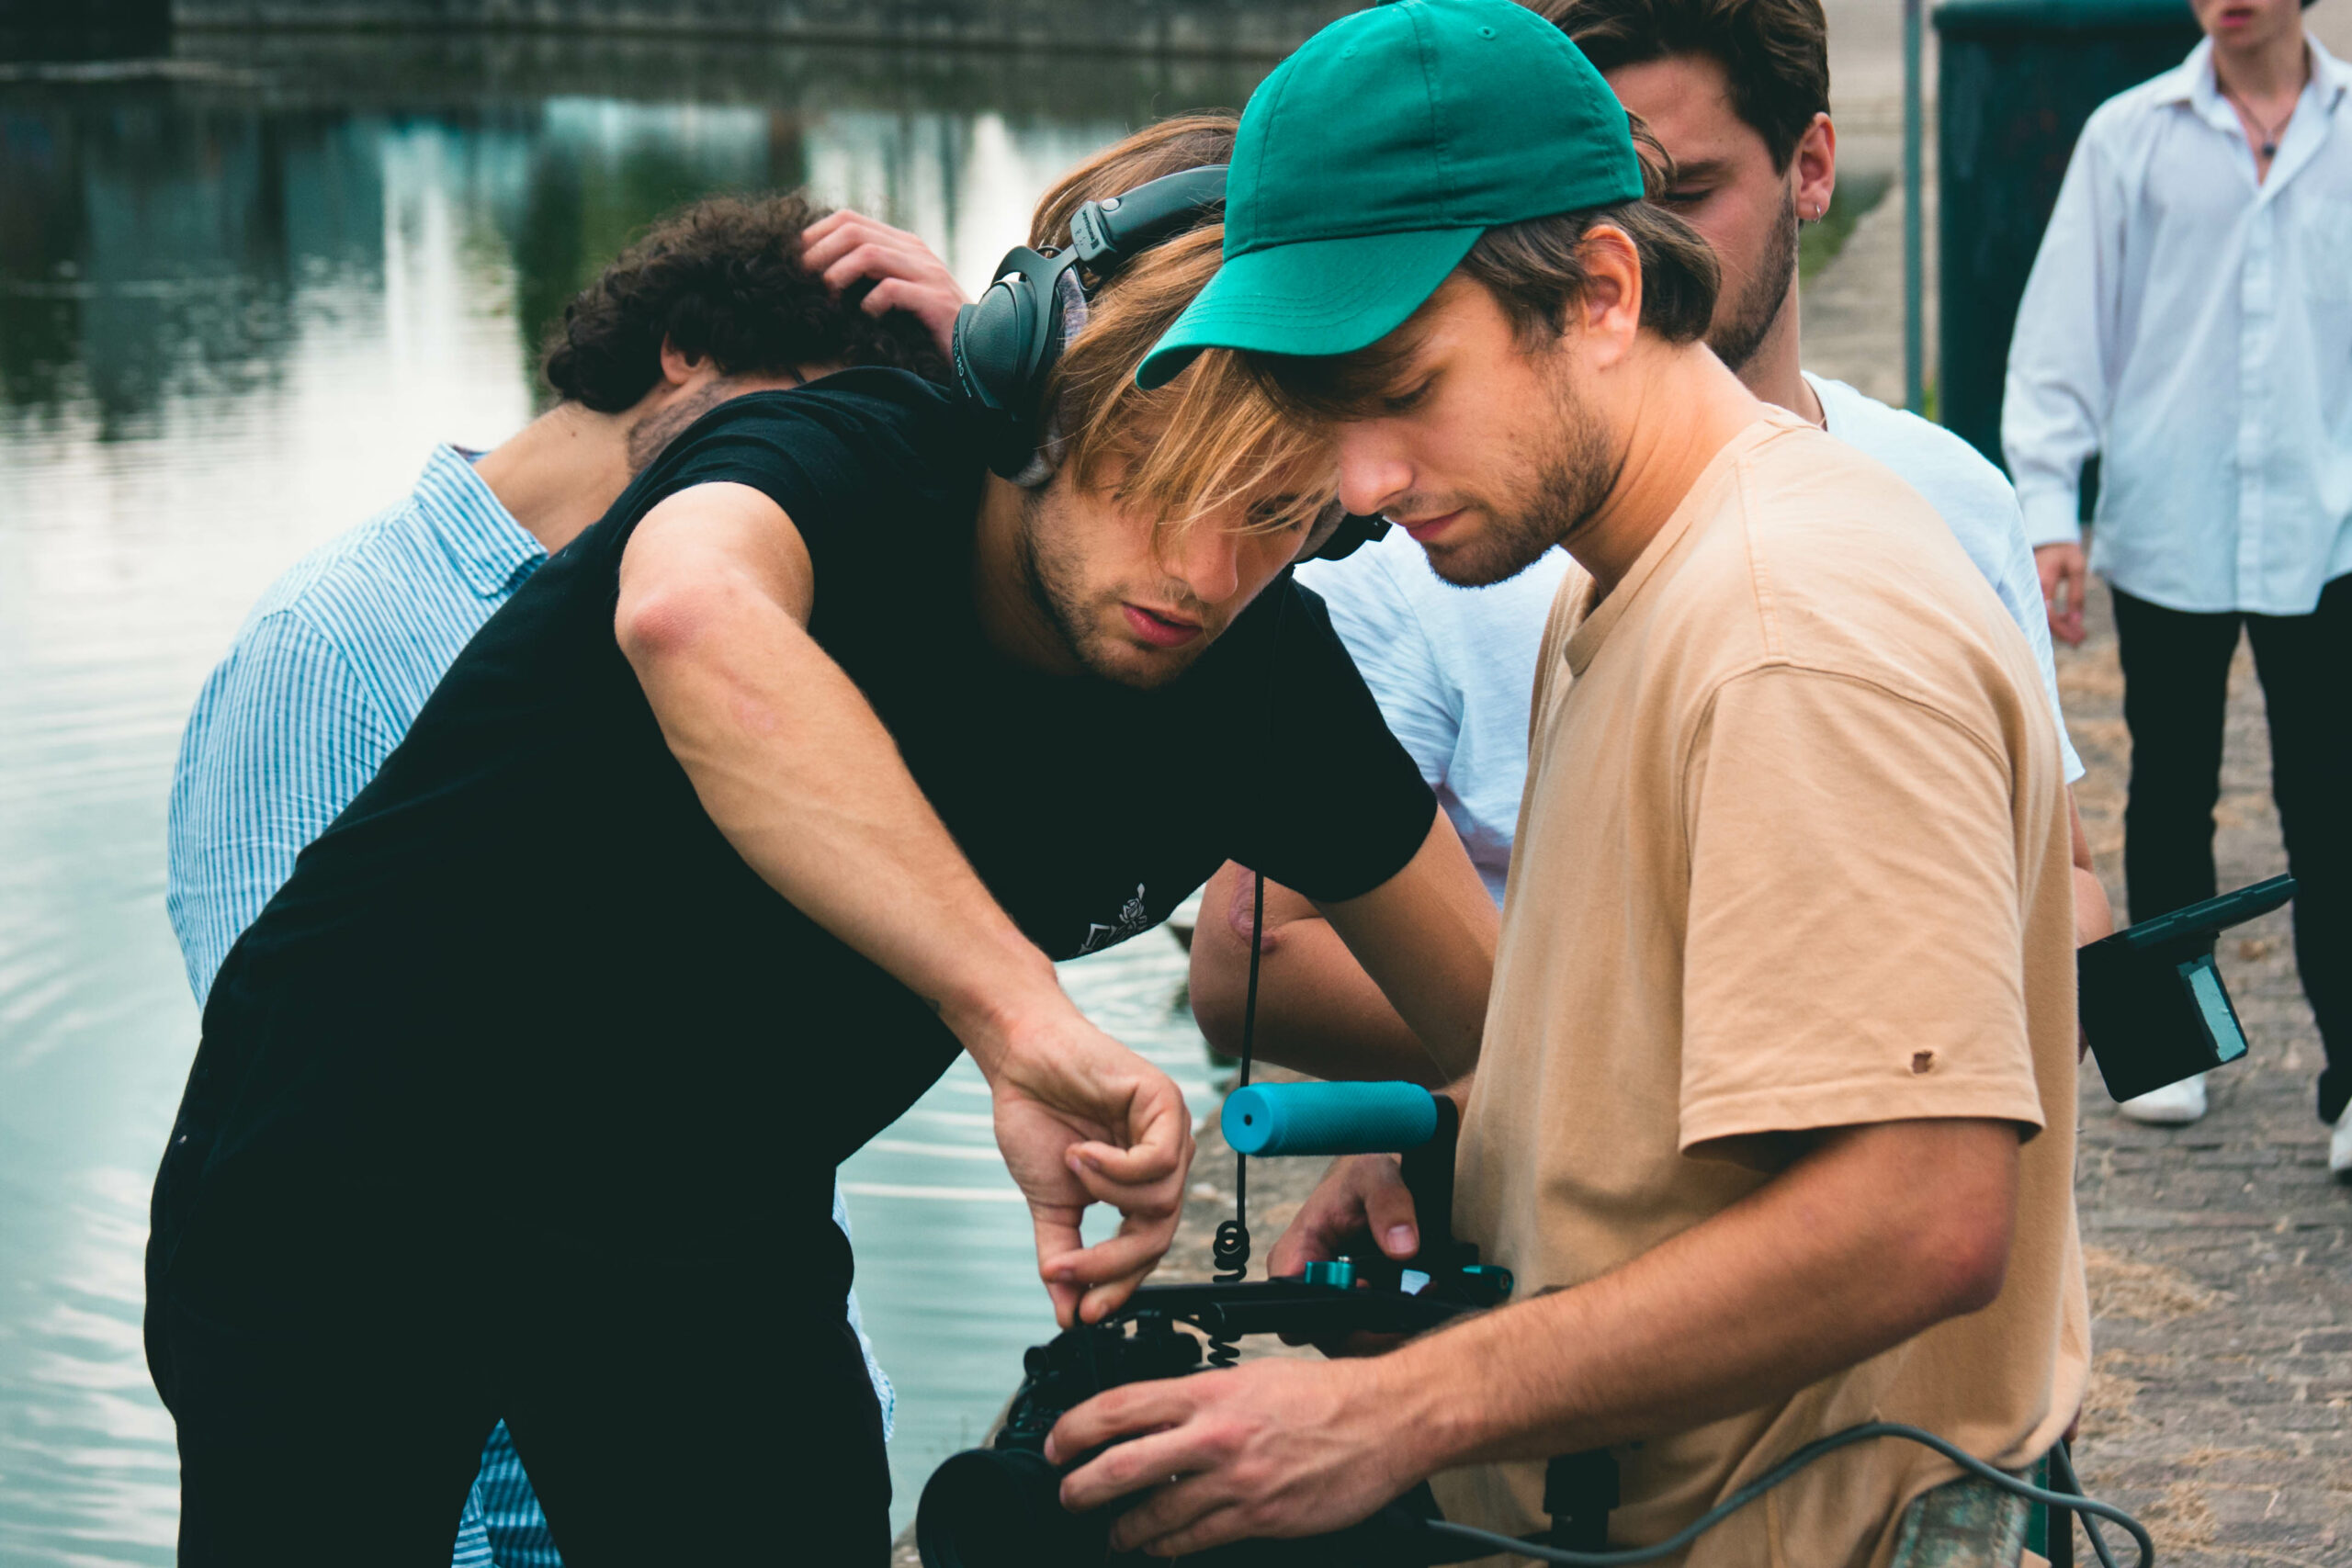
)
(1572, 477)
(1759, 305)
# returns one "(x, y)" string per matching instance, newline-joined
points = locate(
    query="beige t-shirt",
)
(1793, 853)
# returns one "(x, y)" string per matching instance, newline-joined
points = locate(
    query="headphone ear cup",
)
(992, 338)
(1003, 343)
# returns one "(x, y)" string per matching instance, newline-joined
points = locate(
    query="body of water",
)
(242, 295)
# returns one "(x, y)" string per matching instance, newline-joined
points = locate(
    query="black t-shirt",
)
(524, 961)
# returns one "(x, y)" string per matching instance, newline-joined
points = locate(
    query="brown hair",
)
(1775, 53)
(721, 280)
(1210, 436)
(1535, 271)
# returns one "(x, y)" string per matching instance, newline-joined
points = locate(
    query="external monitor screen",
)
(2221, 1018)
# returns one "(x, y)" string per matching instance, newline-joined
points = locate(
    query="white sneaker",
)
(2176, 1105)
(2339, 1147)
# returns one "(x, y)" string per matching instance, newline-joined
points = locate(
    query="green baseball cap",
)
(1372, 160)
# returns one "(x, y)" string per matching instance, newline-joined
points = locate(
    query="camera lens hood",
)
(1001, 1508)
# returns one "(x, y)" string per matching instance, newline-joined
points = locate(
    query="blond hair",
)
(1211, 438)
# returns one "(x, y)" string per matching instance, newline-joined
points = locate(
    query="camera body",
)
(1000, 1506)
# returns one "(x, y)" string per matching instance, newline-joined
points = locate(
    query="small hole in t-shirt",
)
(1921, 1061)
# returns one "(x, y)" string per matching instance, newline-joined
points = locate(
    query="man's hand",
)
(1082, 1119)
(1275, 1447)
(845, 248)
(2062, 577)
(1361, 1195)
(1389, 985)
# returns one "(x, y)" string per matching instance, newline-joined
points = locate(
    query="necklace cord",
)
(2270, 135)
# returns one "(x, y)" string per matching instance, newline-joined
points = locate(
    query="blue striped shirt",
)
(324, 678)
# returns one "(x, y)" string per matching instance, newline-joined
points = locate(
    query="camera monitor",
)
(2152, 1003)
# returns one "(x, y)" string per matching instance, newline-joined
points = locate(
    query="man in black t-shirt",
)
(766, 795)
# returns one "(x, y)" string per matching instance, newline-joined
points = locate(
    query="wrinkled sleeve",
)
(2055, 395)
(283, 736)
(1853, 953)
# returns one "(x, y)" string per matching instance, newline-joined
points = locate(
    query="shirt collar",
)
(471, 526)
(2332, 76)
(2195, 84)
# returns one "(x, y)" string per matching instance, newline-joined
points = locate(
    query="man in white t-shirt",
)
(1738, 96)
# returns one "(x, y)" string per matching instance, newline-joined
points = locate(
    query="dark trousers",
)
(2176, 682)
(672, 1402)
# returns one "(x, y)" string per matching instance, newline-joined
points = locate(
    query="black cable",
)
(1231, 1247)
(2061, 1469)
(2072, 1501)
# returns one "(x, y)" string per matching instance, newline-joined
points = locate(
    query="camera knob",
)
(1339, 1272)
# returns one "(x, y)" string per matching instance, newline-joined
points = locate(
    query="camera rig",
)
(1000, 1507)
(2155, 1011)
(997, 1506)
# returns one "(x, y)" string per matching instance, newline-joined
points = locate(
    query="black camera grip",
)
(1429, 1177)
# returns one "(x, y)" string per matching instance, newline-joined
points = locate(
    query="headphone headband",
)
(1007, 342)
(1107, 234)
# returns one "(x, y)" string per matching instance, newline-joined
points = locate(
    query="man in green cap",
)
(1775, 1113)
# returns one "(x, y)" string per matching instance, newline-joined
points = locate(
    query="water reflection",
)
(237, 307)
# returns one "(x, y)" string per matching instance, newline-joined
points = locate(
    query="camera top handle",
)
(1363, 1118)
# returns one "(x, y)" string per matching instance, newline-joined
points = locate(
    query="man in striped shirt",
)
(334, 663)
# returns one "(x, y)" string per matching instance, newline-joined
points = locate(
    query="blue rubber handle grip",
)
(1329, 1118)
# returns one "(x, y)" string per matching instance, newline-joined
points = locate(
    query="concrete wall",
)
(1240, 28)
(83, 30)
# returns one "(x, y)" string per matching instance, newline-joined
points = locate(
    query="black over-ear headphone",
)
(1007, 342)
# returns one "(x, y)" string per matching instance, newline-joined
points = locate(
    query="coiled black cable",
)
(1231, 1248)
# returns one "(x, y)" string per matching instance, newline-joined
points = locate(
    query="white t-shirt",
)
(1454, 669)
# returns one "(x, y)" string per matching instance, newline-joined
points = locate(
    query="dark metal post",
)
(1913, 207)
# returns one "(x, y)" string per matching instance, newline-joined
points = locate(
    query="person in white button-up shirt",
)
(2190, 319)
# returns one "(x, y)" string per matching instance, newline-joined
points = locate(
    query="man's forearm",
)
(1427, 937)
(1319, 1012)
(795, 769)
(792, 767)
(1875, 1234)
(1431, 930)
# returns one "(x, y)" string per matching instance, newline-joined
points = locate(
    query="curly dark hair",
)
(721, 278)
